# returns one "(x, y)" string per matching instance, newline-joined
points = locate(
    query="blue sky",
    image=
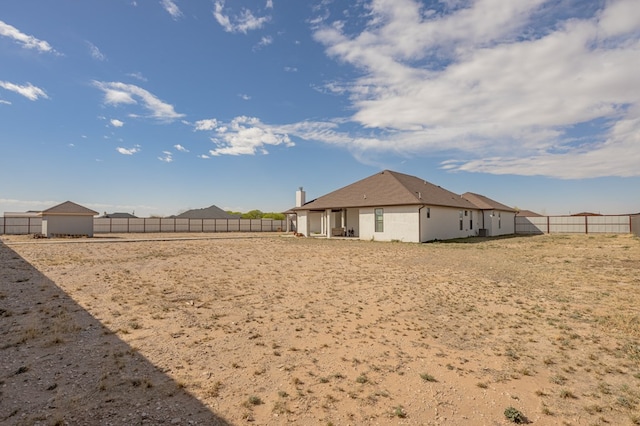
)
(159, 106)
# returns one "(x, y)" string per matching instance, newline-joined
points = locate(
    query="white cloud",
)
(167, 157)
(29, 91)
(27, 41)
(269, 4)
(95, 52)
(171, 8)
(128, 151)
(116, 93)
(291, 69)
(116, 123)
(264, 41)
(244, 97)
(3, 102)
(503, 86)
(242, 23)
(208, 124)
(137, 76)
(246, 136)
(180, 148)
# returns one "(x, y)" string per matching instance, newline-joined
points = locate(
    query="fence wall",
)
(635, 224)
(23, 225)
(574, 224)
(20, 225)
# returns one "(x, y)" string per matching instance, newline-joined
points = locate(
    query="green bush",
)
(515, 415)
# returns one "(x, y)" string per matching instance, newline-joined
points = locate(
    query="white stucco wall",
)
(499, 222)
(353, 221)
(444, 223)
(67, 225)
(400, 223)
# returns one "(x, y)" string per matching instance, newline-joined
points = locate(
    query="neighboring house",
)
(391, 206)
(118, 216)
(211, 212)
(528, 213)
(67, 219)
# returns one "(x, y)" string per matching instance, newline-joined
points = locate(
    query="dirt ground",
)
(269, 329)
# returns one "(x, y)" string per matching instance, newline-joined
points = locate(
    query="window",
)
(461, 227)
(428, 212)
(379, 220)
(471, 220)
(499, 221)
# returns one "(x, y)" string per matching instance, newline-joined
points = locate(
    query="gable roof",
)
(528, 213)
(68, 208)
(211, 212)
(119, 216)
(388, 188)
(485, 203)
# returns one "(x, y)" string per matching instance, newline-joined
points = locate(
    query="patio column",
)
(329, 222)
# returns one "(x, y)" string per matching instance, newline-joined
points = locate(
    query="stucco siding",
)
(499, 222)
(399, 223)
(444, 223)
(67, 225)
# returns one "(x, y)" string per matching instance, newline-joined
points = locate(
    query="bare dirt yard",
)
(270, 329)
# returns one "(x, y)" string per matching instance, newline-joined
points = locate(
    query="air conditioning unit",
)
(482, 232)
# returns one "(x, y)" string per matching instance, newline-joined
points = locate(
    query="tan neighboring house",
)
(67, 219)
(392, 206)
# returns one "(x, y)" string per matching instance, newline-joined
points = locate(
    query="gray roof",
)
(68, 208)
(211, 212)
(388, 188)
(119, 216)
(485, 203)
(528, 213)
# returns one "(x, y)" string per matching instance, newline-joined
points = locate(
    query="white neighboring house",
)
(392, 206)
(67, 219)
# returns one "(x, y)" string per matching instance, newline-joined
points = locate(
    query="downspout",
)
(420, 223)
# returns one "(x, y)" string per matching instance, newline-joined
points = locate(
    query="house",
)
(67, 219)
(528, 213)
(495, 218)
(118, 216)
(389, 206)
(211, 212)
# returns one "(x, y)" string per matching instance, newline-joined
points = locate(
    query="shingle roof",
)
(69, 208)
(528, 213)
(485, 203)
(120, 216)
(211, 212)
(388, 188)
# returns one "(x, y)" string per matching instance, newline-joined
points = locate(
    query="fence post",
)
(548, 226)
(586, 224)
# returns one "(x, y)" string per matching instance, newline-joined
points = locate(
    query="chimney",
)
(300, 197)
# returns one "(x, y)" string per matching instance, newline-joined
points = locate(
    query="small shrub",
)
(399, 412)
(428, 377)
(567, 394)
(255, 400)
(362, 379)
(514, 415)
